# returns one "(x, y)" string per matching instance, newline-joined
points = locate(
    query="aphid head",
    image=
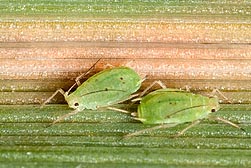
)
(72, 102)
(214, 104)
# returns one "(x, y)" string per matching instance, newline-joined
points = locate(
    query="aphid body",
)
(105, 88)
(172, 106)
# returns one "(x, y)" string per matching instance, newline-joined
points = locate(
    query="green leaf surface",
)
(77, 9)
(95, 139)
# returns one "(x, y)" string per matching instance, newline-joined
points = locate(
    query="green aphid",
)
(171, 107)
(104, 89)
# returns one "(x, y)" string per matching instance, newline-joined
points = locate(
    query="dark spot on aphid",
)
(106, 89)
(76, 104)
(121, 78)
(213, 110)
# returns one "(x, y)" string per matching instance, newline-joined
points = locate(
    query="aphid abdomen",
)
(105, 88)
(165, 106)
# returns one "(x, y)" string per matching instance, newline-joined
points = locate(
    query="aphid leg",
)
(117, 109)
(54, 94)
(130, 97)
(64, 116)
(143, 79)
(226, 121)
(130, 63)
(149, 130)
(143, 76)
(135, 95)
(77, 80)
(221, 94)
(82, 75)
(160, 83)
(135, 114)
(71, 88)
(106, 66)
(136, 99)
(187, 88)
(187, 128)
(138, 119)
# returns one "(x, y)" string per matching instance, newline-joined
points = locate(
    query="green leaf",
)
(96, 137)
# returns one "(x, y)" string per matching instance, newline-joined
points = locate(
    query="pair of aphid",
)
(165, 107)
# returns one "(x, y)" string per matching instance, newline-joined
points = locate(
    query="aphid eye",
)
(213, 110)
(76, 104)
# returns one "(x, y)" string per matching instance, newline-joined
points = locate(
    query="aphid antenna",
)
(77, 80)
(68, 91)
(226, 122)
(65, 116)
(117, 109)
(162, 126)
(187, 128)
